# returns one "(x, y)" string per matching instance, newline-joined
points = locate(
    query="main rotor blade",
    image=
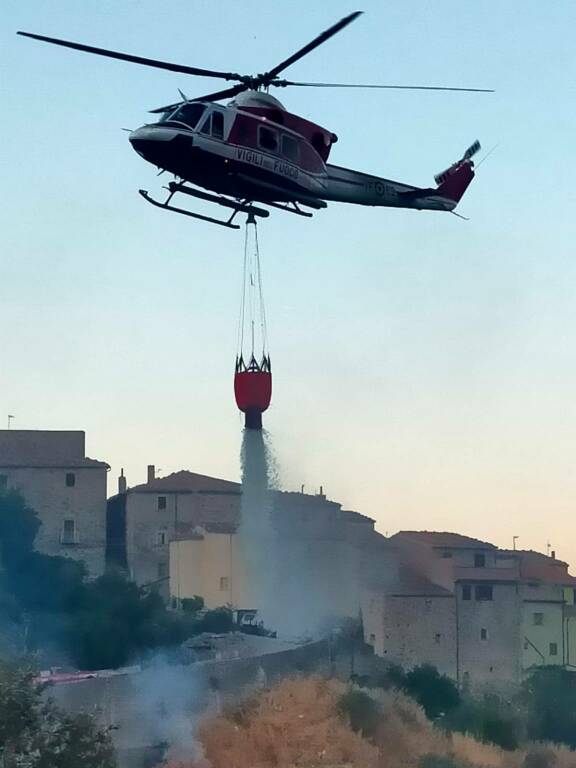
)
(333, 30)
(283, 83)
(229, 92)
(135, 59)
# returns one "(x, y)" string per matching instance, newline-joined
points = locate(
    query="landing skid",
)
(237, 207)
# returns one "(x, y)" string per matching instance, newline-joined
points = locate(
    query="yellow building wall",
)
(570, 634)
(537, 638)
(211, 567)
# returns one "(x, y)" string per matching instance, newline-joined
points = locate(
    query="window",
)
(161, 502)
(189, 114)
(466, 592)
(446, 555)
(162, 570)
(483, 634)
(526, 645)
(218, 125)
(553, 649)
(214, 124)
(268, 138)
(70, 479)
(3, 481)
(372, 639)
(161, 537)
(538, 619)
(484, 592)
(479, 561)
(437, 637)
(290, 148)
(223, 583)
(68, 535)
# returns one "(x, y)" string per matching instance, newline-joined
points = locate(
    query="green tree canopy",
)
(34, 733)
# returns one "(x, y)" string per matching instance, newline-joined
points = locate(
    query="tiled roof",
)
(540, 567)
(356, 517)
(443, 539)
(187, 482)
(55, 464)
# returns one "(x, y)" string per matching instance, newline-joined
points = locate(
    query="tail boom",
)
(349, 186)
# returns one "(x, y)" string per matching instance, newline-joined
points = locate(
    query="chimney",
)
(151, 472)
(321, 494)
(122, 482)
(553, 554)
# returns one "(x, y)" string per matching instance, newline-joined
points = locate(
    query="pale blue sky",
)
(424, 367)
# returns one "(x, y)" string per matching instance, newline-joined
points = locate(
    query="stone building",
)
(65, 488)
(144, 519)
(323, 557)
(179, 534)
(482, 615)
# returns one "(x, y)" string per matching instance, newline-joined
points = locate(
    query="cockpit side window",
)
(189, 114)
(214, 124)
(218, 125)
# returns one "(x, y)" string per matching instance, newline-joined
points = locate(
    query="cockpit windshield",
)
(187, 113)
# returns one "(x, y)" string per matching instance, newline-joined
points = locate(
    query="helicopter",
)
(253, 150)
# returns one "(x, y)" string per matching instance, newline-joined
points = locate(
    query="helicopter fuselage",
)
(257, 151)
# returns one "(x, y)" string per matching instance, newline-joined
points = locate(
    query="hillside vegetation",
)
(314, 722)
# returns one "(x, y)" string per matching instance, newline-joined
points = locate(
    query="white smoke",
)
(168, 701)
(285, 566)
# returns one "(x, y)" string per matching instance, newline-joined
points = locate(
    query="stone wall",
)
(161, 702)
(45, 490)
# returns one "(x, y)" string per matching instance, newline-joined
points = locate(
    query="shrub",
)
(361, 711)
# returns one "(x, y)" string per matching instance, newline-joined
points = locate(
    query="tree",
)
(34, 733)
(97, 624)
(435, 693)
(549, 699)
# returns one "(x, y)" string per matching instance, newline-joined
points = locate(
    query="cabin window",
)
(483, 634)
(189, 114)
(290, 148)
(268, 138)
(161, 502)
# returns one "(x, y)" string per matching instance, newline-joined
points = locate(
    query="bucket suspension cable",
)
(253, 376)
(252, 329)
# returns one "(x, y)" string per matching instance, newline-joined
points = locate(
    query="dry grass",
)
(296, 725)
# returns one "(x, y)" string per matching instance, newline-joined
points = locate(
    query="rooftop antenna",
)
(10, 417)
(514, 540)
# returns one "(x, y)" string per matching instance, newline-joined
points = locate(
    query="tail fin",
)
(454, 181)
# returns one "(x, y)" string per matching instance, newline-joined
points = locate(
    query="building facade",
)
(483, 616)
(65, 488)
(144, 519)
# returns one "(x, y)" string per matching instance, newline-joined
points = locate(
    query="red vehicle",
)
(253, 150)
